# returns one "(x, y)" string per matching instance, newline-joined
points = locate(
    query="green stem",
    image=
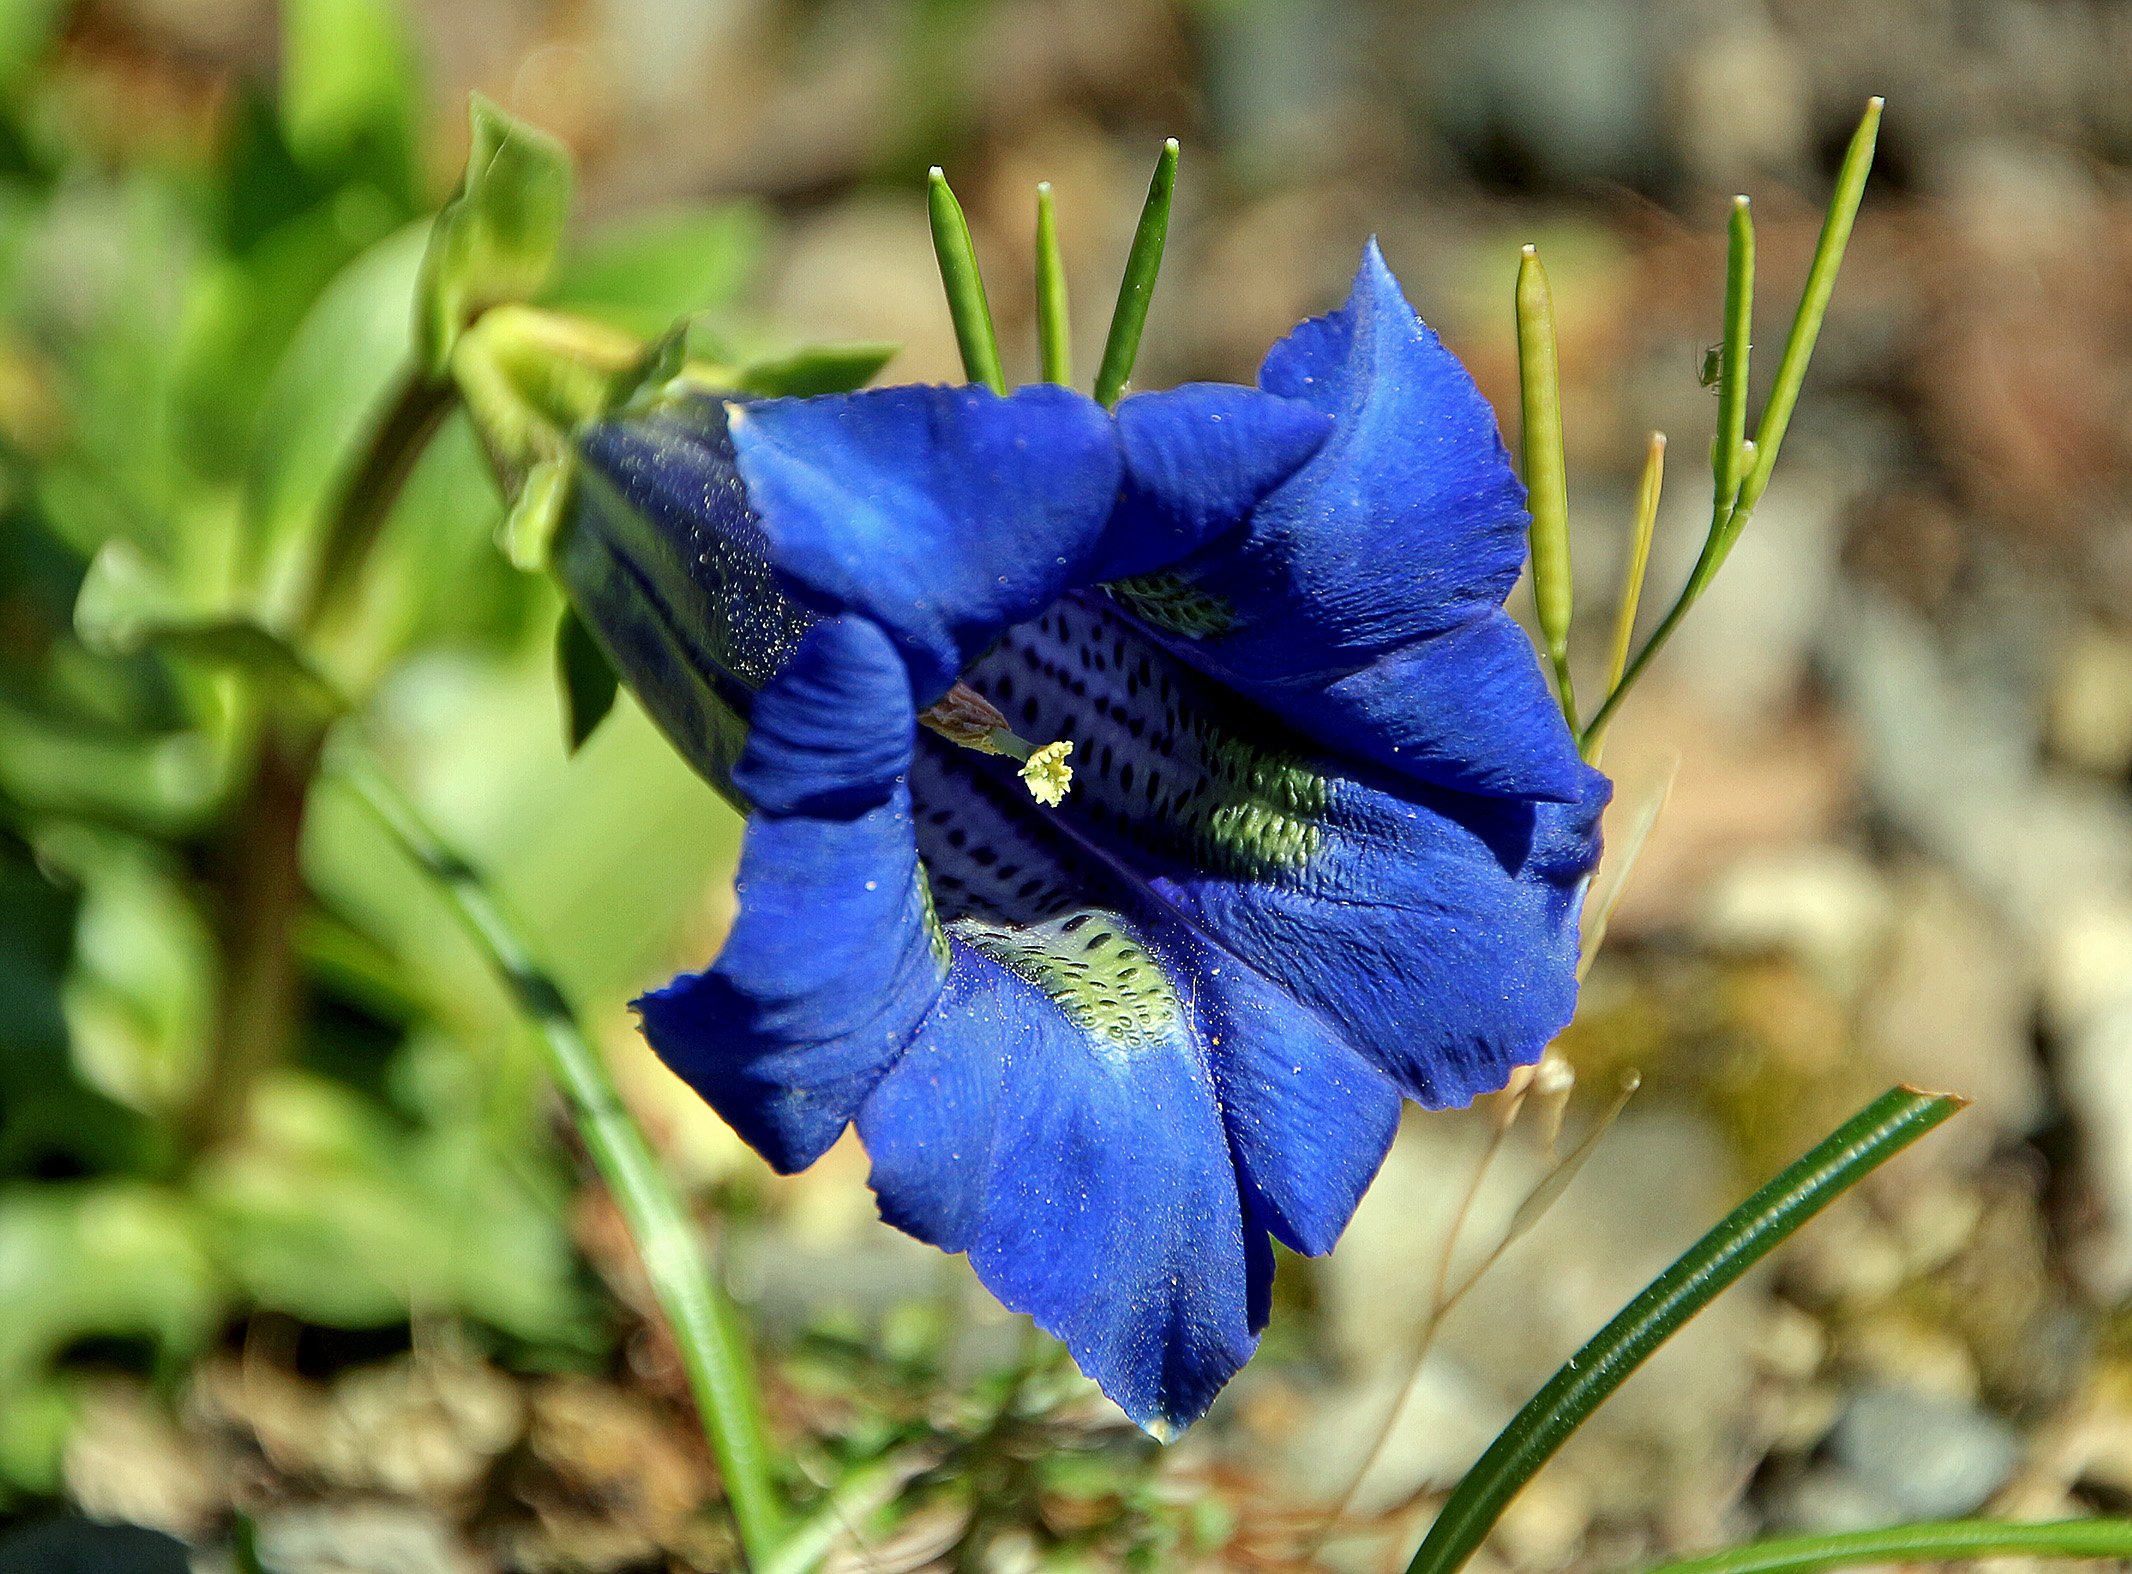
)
(965, 285)
(1731, 519)
(259, 872)
(1727, 452)
(1746, 1235)
(419, 406)
(1137, 290)
(705, 1326)
(1934, 1542)
(1813, 310)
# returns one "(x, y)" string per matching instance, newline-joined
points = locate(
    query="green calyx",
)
(530, 379)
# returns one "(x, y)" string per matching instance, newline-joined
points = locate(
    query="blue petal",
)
(831, 963)
(941, 513)
(1436, 930)
(1092, 1188)
(1404, 528)
(1197, 460)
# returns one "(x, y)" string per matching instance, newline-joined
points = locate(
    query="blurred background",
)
(289, 1223)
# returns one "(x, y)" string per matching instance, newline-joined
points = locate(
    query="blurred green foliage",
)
(223, 1093)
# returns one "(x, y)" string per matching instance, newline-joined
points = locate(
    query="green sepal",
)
(498, 239)
(586, 679)
(814, 369)
(536, 514)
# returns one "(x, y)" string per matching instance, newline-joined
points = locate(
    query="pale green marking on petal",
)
(936, 933)
(1174, 605)
(1095, 968)
(1259, 810)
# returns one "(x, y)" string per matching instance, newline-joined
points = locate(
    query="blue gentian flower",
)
(1324, 846)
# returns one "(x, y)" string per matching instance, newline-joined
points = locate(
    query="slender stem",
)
(1933, 1542)
(260, 856)
(1137, 289)
(1725, 452)
(1639, 566)
(972, 314)
(1760, 455)
(1054, 336)
(1546, 475)
(705, 1326)
(1746, 1235)
(1813, 308)
(419, 406)
(260, 889)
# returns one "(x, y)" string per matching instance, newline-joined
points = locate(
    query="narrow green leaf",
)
(1937, 1541)
(1813, 307)
(815, 369)
(1053, 330)
(586, 678)
(965, 285)
(1854, 1150)
(1546, 476)
(1725, 452)
(498, 239)
(705, 1326)
(1137, 290)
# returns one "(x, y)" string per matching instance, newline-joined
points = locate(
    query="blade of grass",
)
(1759, 457)
(705, 1327)
(1546, 476)
(1933, 1542)
(1725, 453)
(967, 307)
(1137, 288)
(1864, 1142)
(1054, 340)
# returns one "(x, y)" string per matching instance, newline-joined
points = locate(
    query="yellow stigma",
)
(1047, 775)
(964, 716)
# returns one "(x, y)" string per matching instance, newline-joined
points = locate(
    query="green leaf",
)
(140, 997)
(329, 1212)
(498, 239)
(644, 273)
(1937, 1541)
(27, 28)
(1746, 1235)
(110, 1259)
(334, 387)
(124, 606)
(588, 680)
(351, 90)
(815, 369)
